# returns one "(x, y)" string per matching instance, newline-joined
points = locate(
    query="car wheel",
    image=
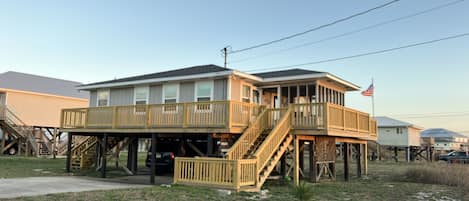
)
(12, 151)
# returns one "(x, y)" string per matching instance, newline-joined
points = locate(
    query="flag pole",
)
(373, 98)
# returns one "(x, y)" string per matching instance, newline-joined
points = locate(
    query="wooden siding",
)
(121, 96)
(156, 93)
(93, 98)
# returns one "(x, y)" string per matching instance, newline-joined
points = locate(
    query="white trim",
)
(148, 81)
(242, 92)
(163, 93)
(147, 98)
(108, 97)
(228, 90)
(211, 90)
(249, 76)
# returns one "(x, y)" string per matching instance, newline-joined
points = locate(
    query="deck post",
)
(312, 163)
(54, 141)
(283, 166)
(135, 155)
(302, 156)
(359, 160)
(103, 155)
(130, 153)
(153, 158)
(346, 161)
(296, 166)
(69, 152)
(209, 145)
(365, 158)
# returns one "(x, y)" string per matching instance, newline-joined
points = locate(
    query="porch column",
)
(153, 158)
(135, 155)
(365, 147)
(296, 172)
(346, 161)
(209, 145)
(3, 142)
(103, 156)
(69, 152)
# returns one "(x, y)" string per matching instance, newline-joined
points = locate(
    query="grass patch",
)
(11, 167)
(440, 173)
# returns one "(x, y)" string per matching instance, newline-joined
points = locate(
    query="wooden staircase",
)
(84, 153)
(248, 162)
(21, 133)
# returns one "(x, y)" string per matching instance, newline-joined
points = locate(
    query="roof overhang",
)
(347, 84)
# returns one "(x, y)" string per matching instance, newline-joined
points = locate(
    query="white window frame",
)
(108, 97)
(250, 92)
(147, 98)
(196, 96)
(163, 98)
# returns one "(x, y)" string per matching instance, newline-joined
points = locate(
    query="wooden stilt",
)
(365, 158)
(4, 136)
(301, 157)
(69, 152)
(209, 145)
(153, 158)
(135, 156)
(296, 166)
(283, 165)
(130, 154)
(312, 163)
(54, 142)
(346, 161)
(359, 160)
(103, 157)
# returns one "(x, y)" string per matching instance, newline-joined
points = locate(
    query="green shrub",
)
(302, 191)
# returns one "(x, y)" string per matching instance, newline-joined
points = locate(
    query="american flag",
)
(369, 91)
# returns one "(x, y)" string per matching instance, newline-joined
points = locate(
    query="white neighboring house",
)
(446, 140)
(392, 132)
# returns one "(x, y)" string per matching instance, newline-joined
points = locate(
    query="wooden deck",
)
(217, 117)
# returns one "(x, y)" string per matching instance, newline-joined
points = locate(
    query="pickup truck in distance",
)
(456, 157)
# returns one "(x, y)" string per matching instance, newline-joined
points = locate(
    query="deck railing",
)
(215, 172)
(214, 114)
(327, 116)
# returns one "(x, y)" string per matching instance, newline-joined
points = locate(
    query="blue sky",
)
(90, 41)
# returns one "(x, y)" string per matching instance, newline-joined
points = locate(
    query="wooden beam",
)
(359, 159)
(296, 152)
(69, 152)
(16, 141)
(312, 163)
(365, 158)
(346, 161)
(54, 142)
(197, 150)
(103, 157)
(2, 145)
(153, 158)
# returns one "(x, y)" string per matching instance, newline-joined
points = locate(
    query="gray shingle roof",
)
(40, 84)
(284, 73)
(440, 133)
(172, 73)
(390, 122)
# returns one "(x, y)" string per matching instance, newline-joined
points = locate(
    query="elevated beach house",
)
(30, 108)
(229, 129)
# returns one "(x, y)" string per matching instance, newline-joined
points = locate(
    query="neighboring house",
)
(446, 140)
(204, 110)
(29, 102)
(396, 133)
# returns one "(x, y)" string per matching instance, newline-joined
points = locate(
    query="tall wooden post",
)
(209, 145)
(4, 136)
(54, 142)
(296, 166)
(346, 161)
(359, 160)
(134, 156)
(69, 152)
(302, 156)
(103, 156)
(130, 153)
(312, 163)
(365, 158)
(153, 158)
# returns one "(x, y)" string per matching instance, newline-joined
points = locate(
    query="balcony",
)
(218, 116)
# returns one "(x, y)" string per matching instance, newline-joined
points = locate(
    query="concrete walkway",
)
(33, 186)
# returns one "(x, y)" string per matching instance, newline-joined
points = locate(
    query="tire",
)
(12, 151)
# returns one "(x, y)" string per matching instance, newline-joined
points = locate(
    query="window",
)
(246, 94)
(203, 93)
(203, 90)
(103, 98)
(255, 97)
(399, 131)
(170, 95)
(141, 98)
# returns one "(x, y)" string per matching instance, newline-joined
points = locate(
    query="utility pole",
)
(224, 53)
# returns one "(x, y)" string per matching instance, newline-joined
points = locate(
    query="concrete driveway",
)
(33, 186)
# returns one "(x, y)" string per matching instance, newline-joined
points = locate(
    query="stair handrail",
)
(10, 116)
(249, 136)
(273, 141)
(86, 144)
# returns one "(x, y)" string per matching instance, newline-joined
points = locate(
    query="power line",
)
(315, 28)
(366, 54)
(351, 32)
